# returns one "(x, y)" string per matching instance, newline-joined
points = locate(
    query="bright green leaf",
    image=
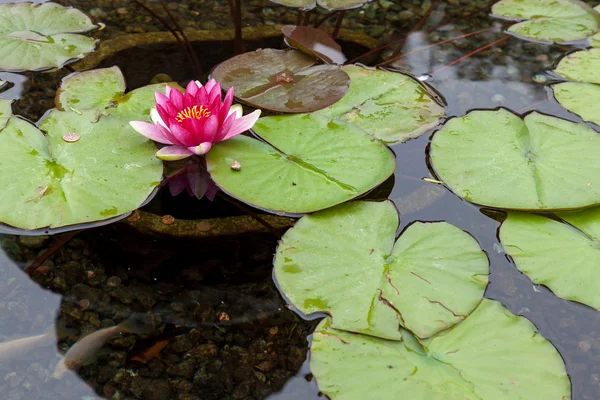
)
(492, 355)
(582, 99)
(308, 163)
(49, 182)
(391, 106)
(5, 112)
(41, 36)
(343, 261)
(557, 255)
(91, 89)
(582, 66)
(549, 20)
(136, 105)
(495, 158)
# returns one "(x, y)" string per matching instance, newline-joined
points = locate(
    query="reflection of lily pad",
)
(492, 355)
(343, 261)
(307, 163)
(328, 4)
(497, 159)
(102, 170)
(565, 258)
(583, 97)
(103, 89)
(42, 36)
(391, 106)
(549, 20)
(314, 42)
(282, 81)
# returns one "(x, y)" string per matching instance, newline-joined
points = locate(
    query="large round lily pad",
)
(497, 159)
(343, 261)
(328, 4)
(102, 169)
(42, 36)
(305, 163)
(391, 106)
(564, 257)
(492, 355)
(549, 20)
(582, 97)
(282, 81)
(103, 89)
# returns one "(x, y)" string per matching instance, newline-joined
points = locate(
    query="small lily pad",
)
(557, 21)
(48, 181)
(103, 89)
(42, 36)
(328, 4)
(343, 261)
(563, 257)
(497, 159)
(282, 81)
(302, 4)
(388, 105)
(305, 163)
(582, 97)
(492, 355)
(314, 42)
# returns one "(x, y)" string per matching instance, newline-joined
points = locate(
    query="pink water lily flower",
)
(191, 123)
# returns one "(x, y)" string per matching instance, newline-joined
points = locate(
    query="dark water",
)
(215, 298)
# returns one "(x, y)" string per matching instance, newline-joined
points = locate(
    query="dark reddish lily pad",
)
(314, 42)
(282, 81)
(302, 4)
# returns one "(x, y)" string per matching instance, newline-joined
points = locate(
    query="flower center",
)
(192, 112)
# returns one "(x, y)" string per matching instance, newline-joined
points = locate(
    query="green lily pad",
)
(595, 40)
(103, 89)
(563, 257)
(42, 36)
(497, 159)
(282, 81)
(582, 66)
(549, 20)
(104, 169)
(582, 99)
(328, 4)
(391, 106)
(306, 163)
(343, 261)
(5, 112)
(492, 355)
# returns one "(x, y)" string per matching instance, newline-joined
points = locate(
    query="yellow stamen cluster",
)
(192, 112)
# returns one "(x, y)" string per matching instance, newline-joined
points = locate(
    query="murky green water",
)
(223, 331)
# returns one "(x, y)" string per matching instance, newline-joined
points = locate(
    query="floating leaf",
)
(306, 163)
(582, 66)
(314, 42)
(282, 81)
(499, 160)
(391, 106)
(328, 4)
(343, 261)
(5, 112)
(103, 89)
(42, 36)
(302, 4)
(563, 257)
(582, 99)
(50, 182)
(492, 355)
(549, 20)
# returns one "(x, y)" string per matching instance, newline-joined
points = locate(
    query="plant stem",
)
(249, 212)
(307, 18)
(415, 28)
(479, 50)
(236, 13)
(64, 239)
(338, 25)
(391, 60)
(166, 25)
(531, 106)
(325, 18)
(188, 45)
(298, 16)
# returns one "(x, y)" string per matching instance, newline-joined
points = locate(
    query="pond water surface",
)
(221, 329)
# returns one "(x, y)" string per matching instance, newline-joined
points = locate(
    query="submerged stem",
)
(307, 18)
(325, 18)
(415, 28)
(236, 13)
(479, 50)
(63, 240)
(338, 25)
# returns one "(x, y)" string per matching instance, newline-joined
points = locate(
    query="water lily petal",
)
(173, 153)
(237, 109)
(151, 131)
(184, 136)
(195, 127)
(188, 100)
(201, 149)
(210, 129)
(224, 112)
(242, 124)
(177, 183)
(209, 85)
(191, 88)
(161, 99)
(156, 118)
(177, 99)
(225, 127)
(168, 90)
